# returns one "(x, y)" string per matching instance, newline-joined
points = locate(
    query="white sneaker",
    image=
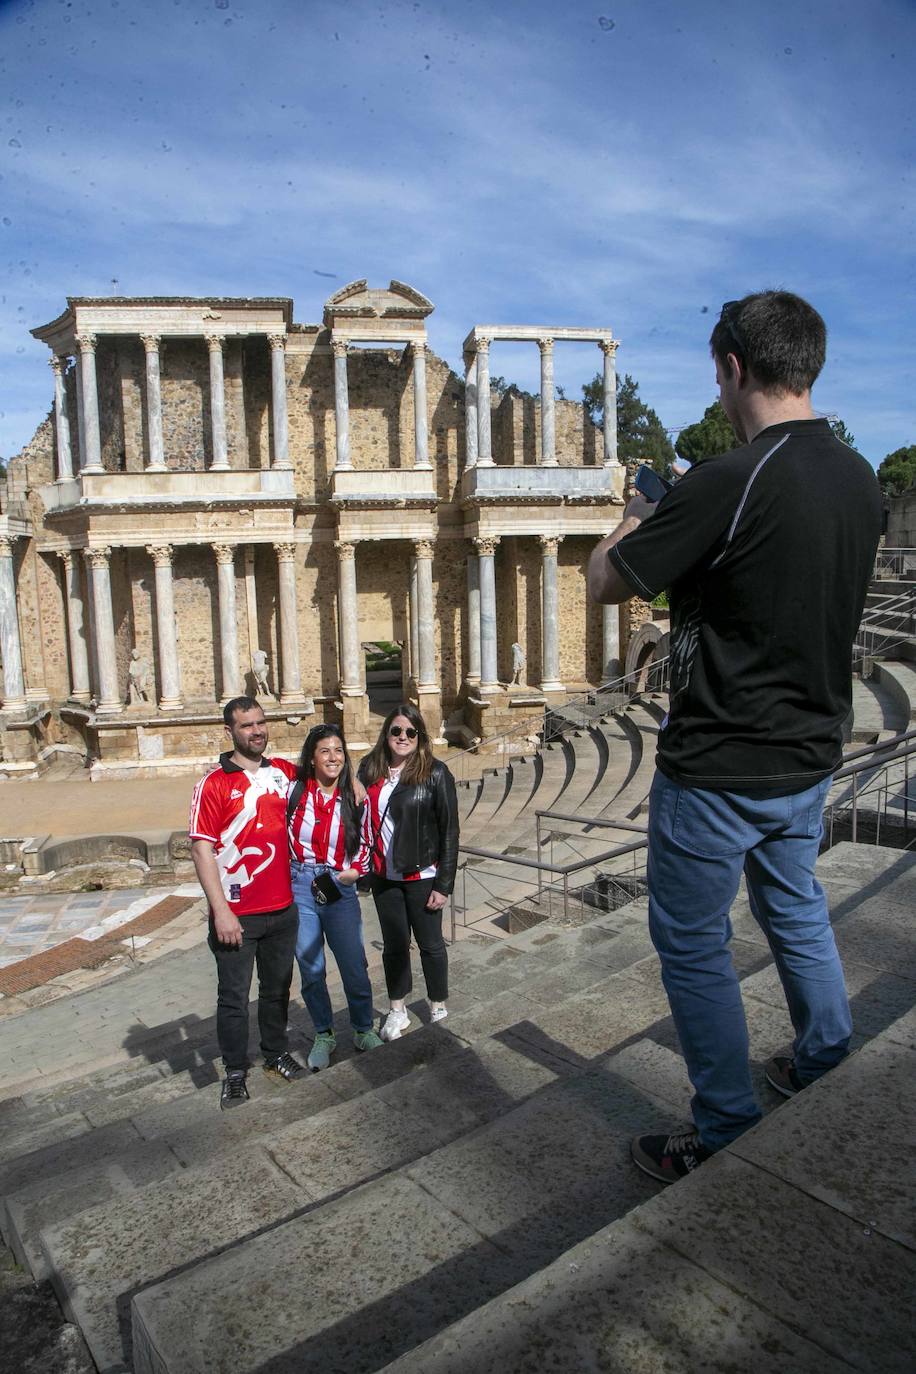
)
(395, 1022)
(438, 1014)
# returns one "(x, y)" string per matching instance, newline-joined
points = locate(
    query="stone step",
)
(899, 680)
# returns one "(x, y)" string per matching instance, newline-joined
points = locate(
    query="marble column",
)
(484, 441)
(61, 421)
(550, 627)
(426, 676)
(110, 697)
(80, 414)
(420, 421)
(348, 618)
(414, 621)
(231, 683)
(290, 676)
(473, 673)
(611, 666)
(217, 404)
(470, 410)
(341, 404)
(92, 452)
(76, 634)
(486, 549)
(278, 400)
(609, 349)
(154, 403)
(548, 408)
(169, 677)
(10, 646)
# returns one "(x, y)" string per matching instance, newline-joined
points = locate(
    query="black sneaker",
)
(235, 1089)
(669, 1157)
(286, 1067)
(781, 1075)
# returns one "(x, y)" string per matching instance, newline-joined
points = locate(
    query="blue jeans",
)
(699, 843)
(340, 923)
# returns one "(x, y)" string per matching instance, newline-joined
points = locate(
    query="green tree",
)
(708, 437)
(897, 472)
(641, 436)
(840, 430)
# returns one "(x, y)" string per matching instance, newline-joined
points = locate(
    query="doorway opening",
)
(384, 675)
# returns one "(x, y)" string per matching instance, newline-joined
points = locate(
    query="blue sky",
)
(622, 163)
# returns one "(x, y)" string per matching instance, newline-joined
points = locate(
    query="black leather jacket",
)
(425, 817)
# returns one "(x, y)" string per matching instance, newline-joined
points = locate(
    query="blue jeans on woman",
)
(700, 842)
(340, 923)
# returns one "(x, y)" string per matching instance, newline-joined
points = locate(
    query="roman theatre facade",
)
(222, 499)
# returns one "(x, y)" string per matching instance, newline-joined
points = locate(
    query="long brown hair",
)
(349, 811)
(418, 767)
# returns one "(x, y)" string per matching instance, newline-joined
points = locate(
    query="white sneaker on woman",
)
(438, 1014)
(395, 1022)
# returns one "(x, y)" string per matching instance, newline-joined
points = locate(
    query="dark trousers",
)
(402, 910)
(269, 939)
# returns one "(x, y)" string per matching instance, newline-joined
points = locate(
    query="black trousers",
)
(270, 941)
(402, 911)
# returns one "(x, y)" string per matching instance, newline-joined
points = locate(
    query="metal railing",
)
(550, 722)
(885, 626)
(895, 563)
(887, 784)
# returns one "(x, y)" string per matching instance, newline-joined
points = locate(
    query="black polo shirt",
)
(766, 553)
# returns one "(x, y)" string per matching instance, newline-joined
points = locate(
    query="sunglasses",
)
(397, 732)
(727, 317)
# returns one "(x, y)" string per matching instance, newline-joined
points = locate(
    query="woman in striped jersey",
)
(327, 852)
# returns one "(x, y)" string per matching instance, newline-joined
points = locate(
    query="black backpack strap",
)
(292, 801)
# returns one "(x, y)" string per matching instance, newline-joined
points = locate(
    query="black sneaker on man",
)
(286, 1068)
(669, 1157)
(235, 1089)
(781, 1075)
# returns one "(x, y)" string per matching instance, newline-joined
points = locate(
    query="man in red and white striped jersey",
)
(239, 847)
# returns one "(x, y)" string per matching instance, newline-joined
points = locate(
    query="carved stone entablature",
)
(358, 300)
(512, 499)
(384, 503)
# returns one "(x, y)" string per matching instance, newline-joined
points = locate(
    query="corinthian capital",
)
(6, 546)
(150, 342)
(277, 340)
(550, 543)
(483, 343)
(346, 550)
(609, 347)
(56, 364)
(214, 342)
(161, 554)
(86, 343)
(98, 558)
(339, 348)
(546, 347)
(423, 548)
(225, 553)
(66, 557)
(285, 552)
(486, 545)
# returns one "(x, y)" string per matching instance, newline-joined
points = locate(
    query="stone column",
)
(228, 622)
(169, 677)
(341, 404)
(484, 441)
(548, 409)
(154, 403)
(420, 422)
(76, 634)
(217, 404)
(348, 618)
(278, 400)
(92, 452)
(609, 349)
(110, 699)
(550, 638)
(80, 414)
(290, 677)
(426, 675)
(473, 673)
(414, 621)
(470, 409)
(611, 666)
(10, 646)
(486, 548)
(61, 422)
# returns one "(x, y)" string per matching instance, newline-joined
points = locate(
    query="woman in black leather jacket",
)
(412, 830)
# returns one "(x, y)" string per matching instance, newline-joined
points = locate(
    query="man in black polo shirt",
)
(766, 553)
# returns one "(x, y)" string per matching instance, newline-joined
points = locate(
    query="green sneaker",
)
(324, 1045)
(366, 1040)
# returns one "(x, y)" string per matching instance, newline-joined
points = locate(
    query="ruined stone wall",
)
(316, 600)
(185, 387)
(197, 618)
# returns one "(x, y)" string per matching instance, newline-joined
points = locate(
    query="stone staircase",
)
(471, 1184)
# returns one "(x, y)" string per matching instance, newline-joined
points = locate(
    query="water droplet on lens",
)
(14, 143)
(788, 52)
(605, 23)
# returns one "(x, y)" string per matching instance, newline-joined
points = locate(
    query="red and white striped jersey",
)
(378, 832)
(243, 815)
(316, 833)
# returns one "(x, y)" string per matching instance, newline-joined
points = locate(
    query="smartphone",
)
(650, 485)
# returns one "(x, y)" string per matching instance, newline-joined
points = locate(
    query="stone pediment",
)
(358, 300)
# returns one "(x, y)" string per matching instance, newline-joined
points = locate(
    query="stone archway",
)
(647, 646)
